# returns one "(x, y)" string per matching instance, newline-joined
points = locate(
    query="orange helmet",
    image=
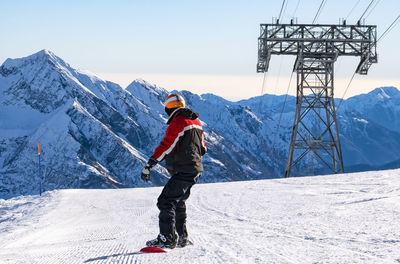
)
(174, 101)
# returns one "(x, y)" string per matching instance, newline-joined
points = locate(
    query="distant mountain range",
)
(100, 134)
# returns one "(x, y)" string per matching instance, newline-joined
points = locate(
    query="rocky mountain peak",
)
(38, 59)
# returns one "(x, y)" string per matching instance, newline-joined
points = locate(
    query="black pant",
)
(171, 203)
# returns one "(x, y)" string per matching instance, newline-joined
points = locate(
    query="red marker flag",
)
(38, 144)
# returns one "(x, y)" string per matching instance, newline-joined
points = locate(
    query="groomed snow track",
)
(350, 218)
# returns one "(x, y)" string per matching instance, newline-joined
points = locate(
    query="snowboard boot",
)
(163, 241)
(183, 240)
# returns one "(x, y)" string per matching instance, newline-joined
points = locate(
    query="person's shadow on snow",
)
(113, 256)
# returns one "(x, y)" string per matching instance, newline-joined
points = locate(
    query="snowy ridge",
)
(97, 134)
(74, 114)
(348, 218)
(93, 133)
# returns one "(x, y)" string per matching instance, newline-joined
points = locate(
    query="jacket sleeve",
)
(169, 142)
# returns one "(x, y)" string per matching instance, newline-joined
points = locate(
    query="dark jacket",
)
(183, 145)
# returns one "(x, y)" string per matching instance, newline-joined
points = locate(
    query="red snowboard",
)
(155, 250)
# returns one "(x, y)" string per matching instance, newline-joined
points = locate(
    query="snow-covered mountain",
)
(368, 125)
(92, 129)
(346, 218)
(103, 134)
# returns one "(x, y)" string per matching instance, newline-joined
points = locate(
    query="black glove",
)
(145, 174)
(146, 171)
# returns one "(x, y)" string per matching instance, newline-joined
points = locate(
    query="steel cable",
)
(283, 108)
(280, 13)
(372, 9)
(345, 91)
(351, 11)
(319, 11)
(394, 23)
(366, 10)
(297, 6)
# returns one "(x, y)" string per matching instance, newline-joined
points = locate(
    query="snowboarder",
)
(182, 147)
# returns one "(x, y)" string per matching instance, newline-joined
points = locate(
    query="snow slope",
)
(349, 218)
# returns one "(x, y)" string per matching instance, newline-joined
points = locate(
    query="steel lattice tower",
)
(315, 127)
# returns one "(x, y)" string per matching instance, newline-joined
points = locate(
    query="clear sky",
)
(202, 46)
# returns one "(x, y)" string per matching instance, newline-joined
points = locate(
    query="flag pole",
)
(40, 176)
